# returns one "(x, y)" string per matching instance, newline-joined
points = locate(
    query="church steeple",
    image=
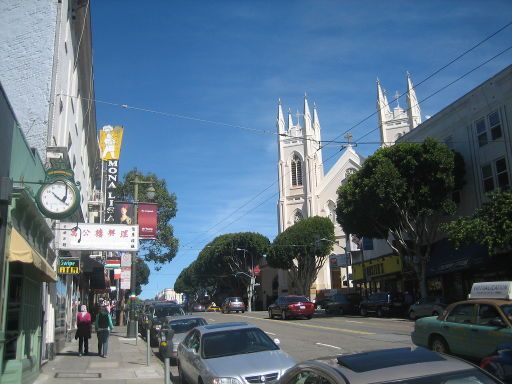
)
(308, 129)
(383, 111)
(290, 119)
(281, 129)
(413, 107)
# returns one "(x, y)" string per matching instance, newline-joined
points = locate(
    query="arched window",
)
(297, 216)
(296, 171)
(331, 209)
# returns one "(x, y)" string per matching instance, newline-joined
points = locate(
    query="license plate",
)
(302, 307)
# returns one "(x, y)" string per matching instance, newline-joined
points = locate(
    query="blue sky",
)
(229, 62)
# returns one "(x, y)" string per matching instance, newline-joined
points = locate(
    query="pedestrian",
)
(103, 327)
(83, 331)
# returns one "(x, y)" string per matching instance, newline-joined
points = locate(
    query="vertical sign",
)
(112, 180)
(147, 220)
(126, 270)
(110, 142)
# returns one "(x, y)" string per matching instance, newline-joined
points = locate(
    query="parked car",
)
(398, 365)
(291, 306)
(383, 304)
(157, 315)
(231, 353)
(233, 304)
(197, 307)
(499, 363)
(342, 303)
(180, 326)
(213, 308)
(473, 328)
(428, 306)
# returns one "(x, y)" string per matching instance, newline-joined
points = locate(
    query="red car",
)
(291, 306)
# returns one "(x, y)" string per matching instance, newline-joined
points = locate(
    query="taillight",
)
(485, 362)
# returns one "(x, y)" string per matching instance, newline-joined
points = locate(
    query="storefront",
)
(382, 273)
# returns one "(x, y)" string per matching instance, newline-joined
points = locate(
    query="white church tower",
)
(396, 122)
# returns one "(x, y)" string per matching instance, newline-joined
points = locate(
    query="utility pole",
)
(250, 292)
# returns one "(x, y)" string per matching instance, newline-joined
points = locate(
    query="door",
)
(456, 329)
(487, 336)
(188, 358)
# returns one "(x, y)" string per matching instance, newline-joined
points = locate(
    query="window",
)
(350, 171)
(487, 313)
(487, 178)
(331, 209)
(481, 132)
(462, 313)
(297, 216)
(502, 173)
(497, 177)
(495, 125)
(296, 171)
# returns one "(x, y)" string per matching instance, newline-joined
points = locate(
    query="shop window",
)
(15, 294)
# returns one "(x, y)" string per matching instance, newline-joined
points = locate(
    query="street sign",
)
(68, 266)
(97, 237)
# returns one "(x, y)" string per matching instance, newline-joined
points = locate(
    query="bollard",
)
(167, 370)
(148, 343)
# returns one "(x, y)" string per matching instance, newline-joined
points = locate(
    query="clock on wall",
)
(58, 197)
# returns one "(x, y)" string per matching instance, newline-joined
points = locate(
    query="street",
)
(322, 335)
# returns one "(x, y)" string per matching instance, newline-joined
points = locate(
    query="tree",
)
(163, 249)
(490, 225)
(401, 194)
(142, 273)
(300, 250)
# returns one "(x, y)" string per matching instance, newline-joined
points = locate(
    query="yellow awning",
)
(21, 251)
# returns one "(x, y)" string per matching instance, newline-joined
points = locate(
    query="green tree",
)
(401, 194)
(300, 250)
(163, 249)
(490, 225)
(142, 273)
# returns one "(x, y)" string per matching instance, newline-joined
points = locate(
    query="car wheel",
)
(438, 344)
(283, 315)
(412, 315)
(379, 312)
(363, 312)
(243, 311)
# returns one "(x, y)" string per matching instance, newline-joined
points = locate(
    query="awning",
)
(21, 251)
(444, 258)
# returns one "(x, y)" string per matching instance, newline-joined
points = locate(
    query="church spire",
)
(316, 121)
(383, 111)
(280, 119)
(307, 117)
(290, 118)
(413, 106)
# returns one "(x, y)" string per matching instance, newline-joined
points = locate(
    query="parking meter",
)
(166, 335)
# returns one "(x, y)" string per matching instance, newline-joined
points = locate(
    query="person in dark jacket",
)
(83, 331)
(103, 325)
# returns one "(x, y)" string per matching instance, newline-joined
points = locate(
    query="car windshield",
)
(470, 376)
(236, 299)
(295, 299)
(236, 342)
(168, 311)
(185, 325)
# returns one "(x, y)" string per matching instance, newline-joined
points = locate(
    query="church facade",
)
(306, 189)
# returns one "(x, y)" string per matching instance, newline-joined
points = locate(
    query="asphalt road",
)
(323, 335)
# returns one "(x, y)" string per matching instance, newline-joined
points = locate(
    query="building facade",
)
(477, 126)
(168, 294)
(47, 74)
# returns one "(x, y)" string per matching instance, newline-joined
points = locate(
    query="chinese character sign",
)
(97, 237)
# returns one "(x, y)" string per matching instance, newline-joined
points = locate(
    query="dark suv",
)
(233, 304)
(342, 303)
(383, 304)
(157, 315)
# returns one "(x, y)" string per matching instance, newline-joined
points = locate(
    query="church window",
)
(350, 171)
(331, 209)
(296, 171)
(297, 216)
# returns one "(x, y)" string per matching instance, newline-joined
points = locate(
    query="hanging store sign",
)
(110, 139)
(97, 237)
(117, 273)
(111, 190)
(147, 216)
(113, 262)
(124, 213)
(126, 270)
(68, 266)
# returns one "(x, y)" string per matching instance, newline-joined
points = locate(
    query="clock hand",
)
(66, 194)
(63, 200)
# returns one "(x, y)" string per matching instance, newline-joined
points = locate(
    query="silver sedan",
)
(231, 353)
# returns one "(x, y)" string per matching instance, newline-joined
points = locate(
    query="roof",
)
(381, 365)
(183, 317)
(211, 328)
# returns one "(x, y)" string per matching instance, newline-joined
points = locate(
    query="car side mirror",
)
(497, 323)
(277, 341)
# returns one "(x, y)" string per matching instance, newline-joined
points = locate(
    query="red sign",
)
(147, 220)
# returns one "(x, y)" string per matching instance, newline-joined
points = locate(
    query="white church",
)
(306, 190)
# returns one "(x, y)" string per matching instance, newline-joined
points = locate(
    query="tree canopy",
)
(164, 248)
(404, 191)
(490, 225)
(300, 250)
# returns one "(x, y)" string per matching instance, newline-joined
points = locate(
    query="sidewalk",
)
(126, 363)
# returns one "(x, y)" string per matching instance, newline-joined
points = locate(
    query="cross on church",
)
(397, 96)
(298, 115)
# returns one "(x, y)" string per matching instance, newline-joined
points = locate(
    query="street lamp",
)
(131, 331)
(251, 276)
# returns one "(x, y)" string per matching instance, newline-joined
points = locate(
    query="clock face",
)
(58, 198)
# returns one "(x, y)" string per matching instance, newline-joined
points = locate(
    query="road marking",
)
(270, 333)
(315, 326)
(353, 321)
(211, 320)
(327, 345)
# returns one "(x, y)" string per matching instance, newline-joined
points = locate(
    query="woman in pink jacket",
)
(83, 332)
